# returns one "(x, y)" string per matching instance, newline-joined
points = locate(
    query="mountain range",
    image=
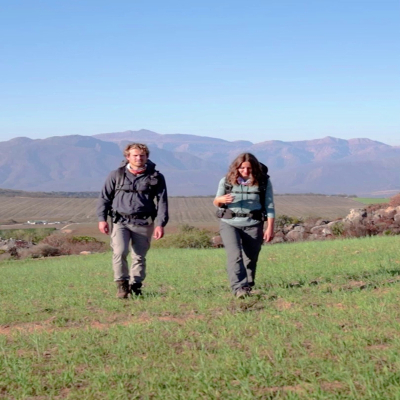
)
(193, 165)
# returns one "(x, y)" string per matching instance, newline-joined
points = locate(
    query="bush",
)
(188, 237)
(282, 220)
(84, 239)
(41, 250)
(34, 235)
(68, 244)
(338, 229)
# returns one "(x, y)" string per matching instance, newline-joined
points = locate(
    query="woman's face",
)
(245, 170)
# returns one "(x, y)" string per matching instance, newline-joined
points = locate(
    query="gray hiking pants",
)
(124, 237)
(242, 245)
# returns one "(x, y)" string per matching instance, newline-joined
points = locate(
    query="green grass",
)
(324, 325)
(371, 200)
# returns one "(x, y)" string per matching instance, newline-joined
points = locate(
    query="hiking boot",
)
(123, 289)
(243, 292)
(136, 290)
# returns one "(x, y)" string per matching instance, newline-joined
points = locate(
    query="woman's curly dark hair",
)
(233, 172)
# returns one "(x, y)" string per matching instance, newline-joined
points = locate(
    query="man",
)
(136, 196)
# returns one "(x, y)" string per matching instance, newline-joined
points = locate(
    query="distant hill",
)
(193, 165)
(82, 163)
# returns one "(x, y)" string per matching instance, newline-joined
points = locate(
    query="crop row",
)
(182, 209)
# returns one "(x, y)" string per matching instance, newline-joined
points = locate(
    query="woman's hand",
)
(225, 199)
(269, 232)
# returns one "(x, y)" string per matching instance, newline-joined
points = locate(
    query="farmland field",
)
(191, 210)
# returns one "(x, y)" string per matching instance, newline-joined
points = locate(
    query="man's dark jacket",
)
(137, 195)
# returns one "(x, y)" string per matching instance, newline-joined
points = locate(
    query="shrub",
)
(84, 239)
(41, 250)
(68, 244)
(186, 228)
(338, 229)
(30, 235)
(188, 237)
(282, 220)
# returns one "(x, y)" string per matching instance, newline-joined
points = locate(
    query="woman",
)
(239, 199)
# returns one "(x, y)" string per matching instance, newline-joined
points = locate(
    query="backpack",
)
(119, 183)
(261, 192)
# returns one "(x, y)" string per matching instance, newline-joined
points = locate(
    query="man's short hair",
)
(138, 146)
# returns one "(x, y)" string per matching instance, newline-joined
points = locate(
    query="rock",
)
(322, 230)
(356, 215)
(276, 240)
(294, 236)
(287, 228)
(321, 222)
(390, 212)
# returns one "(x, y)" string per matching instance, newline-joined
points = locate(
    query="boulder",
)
(356, 215)
(390, 212)
(277, 239)
(322, 230)
(322, 222)
(296, 235)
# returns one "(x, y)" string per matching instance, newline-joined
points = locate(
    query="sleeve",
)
(269, 200)
(162, 202)
(221, 188)
(106, 197)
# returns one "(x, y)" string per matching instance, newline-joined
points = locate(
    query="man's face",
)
(137, 158)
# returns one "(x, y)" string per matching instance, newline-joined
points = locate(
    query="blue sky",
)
(254, 70)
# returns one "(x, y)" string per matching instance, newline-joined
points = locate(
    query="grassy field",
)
(324, 324)
(370, 200)
(183, 210)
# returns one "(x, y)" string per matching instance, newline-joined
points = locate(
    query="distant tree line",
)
(22, 193)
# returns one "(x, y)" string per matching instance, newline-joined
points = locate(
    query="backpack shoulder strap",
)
(228, 187)
(263, 186)
(119, 182)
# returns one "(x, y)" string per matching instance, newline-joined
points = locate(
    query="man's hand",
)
(103, 227)
(158, 232)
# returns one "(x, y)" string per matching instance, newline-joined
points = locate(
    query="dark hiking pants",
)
(242, 245)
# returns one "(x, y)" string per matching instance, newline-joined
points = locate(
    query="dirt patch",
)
(340, 306)
(333, 386)
(300, 389)
(378, 347)
(356, 285)
(48, 325)
(282, 304)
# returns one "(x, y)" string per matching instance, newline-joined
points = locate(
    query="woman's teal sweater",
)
(248, 200)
